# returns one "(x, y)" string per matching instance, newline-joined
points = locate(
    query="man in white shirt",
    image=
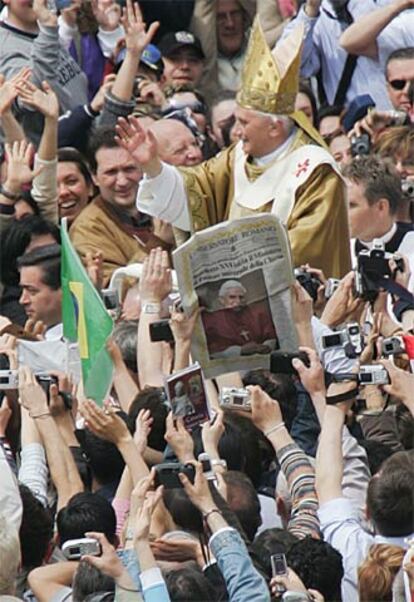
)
(374, 198)
(325, 21)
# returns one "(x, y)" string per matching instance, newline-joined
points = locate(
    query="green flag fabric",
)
(85, 320)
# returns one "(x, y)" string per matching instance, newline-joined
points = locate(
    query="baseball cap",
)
(173, 41)
(150, 57)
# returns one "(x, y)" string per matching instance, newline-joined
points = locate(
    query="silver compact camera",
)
(9, 379)
(74, 549)
(234, 398)
(373, 375)
(331, 286)
(393, 346)
(349, 338)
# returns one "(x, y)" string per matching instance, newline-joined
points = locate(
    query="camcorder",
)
(166, 474)
(360, 145)
(393, 346)
(234, 398)
(350, 338)
(372, 267)
(309, 282)
(281, 361)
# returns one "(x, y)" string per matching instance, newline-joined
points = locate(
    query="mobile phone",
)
(110, 298)
(167, 474)
(207, 468)
(45, 380)
(281, 361)
(279, 568)
(74, 549)
(161, 331)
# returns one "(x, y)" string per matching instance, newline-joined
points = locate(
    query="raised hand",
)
(70, 14)
(401, 385)
(45, 101)
(143, 425)
(31, 395)
(136, 38)
(179, 439)
(19, 172)
(104, 423)
(156, 282)
(8, 89)
(266, 412)
(43, 14)
(342, 304)
(140, 143)
(182, 326)
(312, 377)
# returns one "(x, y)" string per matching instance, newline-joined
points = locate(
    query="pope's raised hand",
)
(140, 143)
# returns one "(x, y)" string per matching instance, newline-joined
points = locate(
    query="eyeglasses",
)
(399, 84)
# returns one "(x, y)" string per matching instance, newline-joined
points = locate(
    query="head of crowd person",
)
(222, 109)
(177, 143)
(340, 147)
(86, 512)
(377, 573)
(318, 565)
(399, 73)
(232, 24)
(183, 58)
(374, 197)
(10, 557)
(390, 503)
(21, 15)
(187, 97)
(114, 172)
(150, 67)
(232, 295)
(397, 144)
(243, 500)
(36, 530)
(74, 181)
(41, 295)
(329, 118)
(306, 102)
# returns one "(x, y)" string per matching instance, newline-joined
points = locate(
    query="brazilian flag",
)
(85, 321)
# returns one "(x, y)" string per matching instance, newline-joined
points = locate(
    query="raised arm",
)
(361, 37)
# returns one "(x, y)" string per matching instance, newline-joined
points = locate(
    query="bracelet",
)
(274, 429)
(40, 415)
(127, 589)
(210, 512)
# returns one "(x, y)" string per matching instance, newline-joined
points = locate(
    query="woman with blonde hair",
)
(377, 573)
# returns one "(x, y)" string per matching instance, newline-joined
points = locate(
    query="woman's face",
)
(73, 190)
(304, 104)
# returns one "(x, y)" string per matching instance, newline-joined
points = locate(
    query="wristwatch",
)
(13, 196)
(152, 308)
(219, 462)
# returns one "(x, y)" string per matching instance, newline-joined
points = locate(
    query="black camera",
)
(161, 331)
(372, 268)
(393, 346)
(360, 145)
(309, 282)
(407, 188)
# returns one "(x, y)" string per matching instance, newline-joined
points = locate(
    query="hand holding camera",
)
(312, 377)
(342, 304)
(31, 394)
(401, 384)
(266, 414)
(180, 440)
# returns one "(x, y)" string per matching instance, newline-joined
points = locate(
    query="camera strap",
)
(395, 289)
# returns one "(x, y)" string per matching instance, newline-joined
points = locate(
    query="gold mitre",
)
(270, 80)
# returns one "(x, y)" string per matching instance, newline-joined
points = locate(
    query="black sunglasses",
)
(399, 84)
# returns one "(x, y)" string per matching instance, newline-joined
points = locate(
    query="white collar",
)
(385, 238)
(54, 332)
(277, 153)
(402, 542)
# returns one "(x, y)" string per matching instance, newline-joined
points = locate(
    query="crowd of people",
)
(135, 125)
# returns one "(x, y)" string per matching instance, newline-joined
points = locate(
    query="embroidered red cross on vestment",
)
(302, 167)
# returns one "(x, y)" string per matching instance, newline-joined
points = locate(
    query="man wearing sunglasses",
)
(400, 80)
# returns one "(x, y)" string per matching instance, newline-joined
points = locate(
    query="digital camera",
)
(393, 346)
(360, 145)
(74, 549)
(407, 188)
(331, 286)
(233, 398)
(309, 282)
(373, 375)
(349, 338)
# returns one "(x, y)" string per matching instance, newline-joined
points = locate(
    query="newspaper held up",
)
(239, 273)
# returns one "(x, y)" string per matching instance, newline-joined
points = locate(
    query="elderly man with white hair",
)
(278, 166)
